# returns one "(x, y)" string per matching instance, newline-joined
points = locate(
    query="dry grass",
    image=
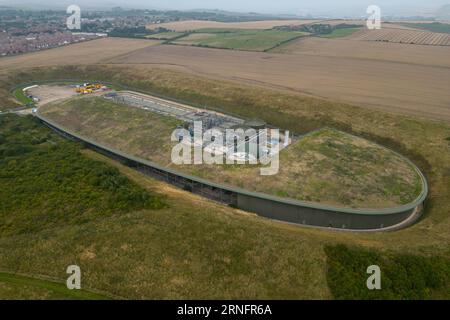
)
(402, 36)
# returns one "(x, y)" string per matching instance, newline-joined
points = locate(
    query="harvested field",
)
(396, 87)
(201, 24)
(343, 48)
(90, 52)
(326, 166)
(403, 36)
(408, 79)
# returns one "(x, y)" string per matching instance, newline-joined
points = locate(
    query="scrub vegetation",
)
(403, 276)
(45, 181)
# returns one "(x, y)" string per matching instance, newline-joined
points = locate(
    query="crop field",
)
(182, 248)
(250, 40)
(438, 56)
(327, 166)
(412, 89)
(382, 76)
(190, 25)
(90, 52)
(403, 36)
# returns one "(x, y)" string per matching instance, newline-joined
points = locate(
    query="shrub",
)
(54, 183)
(403, 276)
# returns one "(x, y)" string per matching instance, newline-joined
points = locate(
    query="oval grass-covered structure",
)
(327, 178)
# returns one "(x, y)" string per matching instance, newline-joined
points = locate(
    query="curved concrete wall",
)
(272, 207)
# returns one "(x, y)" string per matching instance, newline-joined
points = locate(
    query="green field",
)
(179, 250)
(340, 33)
(249, 40)
(433, 27)
(21, 97)
(326, 166)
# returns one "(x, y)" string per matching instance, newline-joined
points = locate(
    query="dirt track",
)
(399, 87)
(51, 93)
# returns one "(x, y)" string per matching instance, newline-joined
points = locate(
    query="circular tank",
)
(255, 124)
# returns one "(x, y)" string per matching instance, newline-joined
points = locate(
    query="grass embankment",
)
(327, 166)
(248, 40)
(21, 97)
(17, 287)
(196, 248)
(8, 100)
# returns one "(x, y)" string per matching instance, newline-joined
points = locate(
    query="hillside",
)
(179, 250)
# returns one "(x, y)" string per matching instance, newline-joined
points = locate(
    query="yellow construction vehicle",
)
(88, 88)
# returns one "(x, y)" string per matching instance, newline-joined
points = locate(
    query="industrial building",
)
(244, 145)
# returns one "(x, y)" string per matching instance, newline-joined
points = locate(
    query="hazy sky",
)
(340, 7)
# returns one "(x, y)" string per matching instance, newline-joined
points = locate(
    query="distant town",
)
(23, 31)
